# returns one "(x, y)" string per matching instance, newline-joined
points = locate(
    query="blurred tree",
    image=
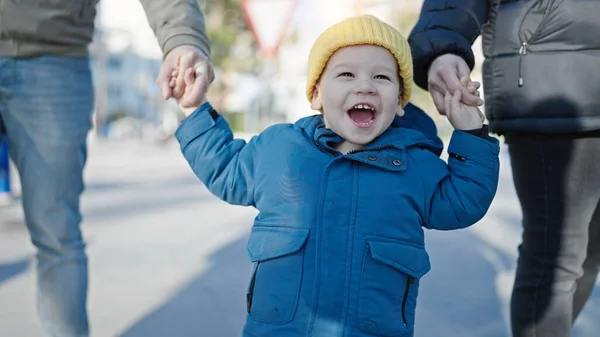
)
(230, 36)
(232, 45)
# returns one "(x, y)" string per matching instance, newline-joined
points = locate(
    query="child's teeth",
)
(363, 107)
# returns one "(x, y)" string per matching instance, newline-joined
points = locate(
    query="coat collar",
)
(388, 151)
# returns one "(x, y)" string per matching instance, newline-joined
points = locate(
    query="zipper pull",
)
(522, 51)
(523, 48)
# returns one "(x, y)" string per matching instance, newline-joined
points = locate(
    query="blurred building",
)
(129, 80)
(124, 77)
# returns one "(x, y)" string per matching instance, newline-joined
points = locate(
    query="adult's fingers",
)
(186, 62)
(464, 74)
(463, 69)
(163, 79)
(469, 96)
(447, 103)
(438, 101)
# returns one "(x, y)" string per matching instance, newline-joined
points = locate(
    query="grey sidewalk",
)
(168, 259)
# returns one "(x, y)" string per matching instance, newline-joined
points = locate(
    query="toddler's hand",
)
(189, 78)
(461, 116)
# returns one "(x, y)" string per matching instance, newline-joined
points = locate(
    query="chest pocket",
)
(278, 256)
(389, 284)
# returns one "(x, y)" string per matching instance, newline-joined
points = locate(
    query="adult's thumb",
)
(463, 69)
(162, 81)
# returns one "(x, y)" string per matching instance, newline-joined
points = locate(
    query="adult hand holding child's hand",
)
(450, 72)
(186, 75)
(460, 115)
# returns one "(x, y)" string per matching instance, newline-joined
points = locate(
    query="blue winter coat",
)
(338, 246)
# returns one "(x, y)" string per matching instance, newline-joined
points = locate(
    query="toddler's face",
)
(359, 94)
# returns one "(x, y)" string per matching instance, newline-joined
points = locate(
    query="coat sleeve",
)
(224, 164)
(176, 23)
(445, 26)
(459, 194)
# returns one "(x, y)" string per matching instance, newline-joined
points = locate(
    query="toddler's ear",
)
(400, 111)
(316, 103)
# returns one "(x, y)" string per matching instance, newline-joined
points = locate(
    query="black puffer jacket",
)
(542, 58)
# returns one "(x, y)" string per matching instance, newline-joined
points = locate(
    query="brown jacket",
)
(30, 28)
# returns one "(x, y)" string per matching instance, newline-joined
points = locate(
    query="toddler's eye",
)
(346, 74)
(382, 77)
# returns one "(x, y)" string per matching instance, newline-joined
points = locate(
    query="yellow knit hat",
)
(364, 29)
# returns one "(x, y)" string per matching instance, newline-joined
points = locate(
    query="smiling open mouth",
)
(363, 115)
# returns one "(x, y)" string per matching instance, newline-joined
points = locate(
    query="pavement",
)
(168, 259)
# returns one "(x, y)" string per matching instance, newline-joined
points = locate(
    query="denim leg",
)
(591, 266)
(47, 118)
(558, 187)
(4, 162)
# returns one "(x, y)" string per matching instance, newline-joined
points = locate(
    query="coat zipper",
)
(250, 293)
(379, 148)
(410, 280)
(323, 148)
(336, 154)
(524, 44)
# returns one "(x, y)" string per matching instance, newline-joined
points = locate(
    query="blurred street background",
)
(169, 259)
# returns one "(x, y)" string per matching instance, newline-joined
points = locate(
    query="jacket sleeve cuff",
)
(429, 45)
(465, 146)
(482, 132)
(196, 124)
(186, 40)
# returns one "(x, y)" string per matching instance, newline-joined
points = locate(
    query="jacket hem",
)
(26, 49)
(546, 125)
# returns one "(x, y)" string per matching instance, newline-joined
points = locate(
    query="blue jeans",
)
(4, 167)
(46, 105)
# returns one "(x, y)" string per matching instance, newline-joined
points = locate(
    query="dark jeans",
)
(557, 179)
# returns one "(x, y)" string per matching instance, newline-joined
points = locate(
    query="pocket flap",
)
(267, 243)
(408, 259)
